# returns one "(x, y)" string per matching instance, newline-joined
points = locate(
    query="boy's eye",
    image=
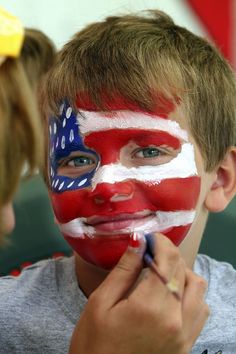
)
(148, 152)
(80, 161)
(76, 165)
(152, 155)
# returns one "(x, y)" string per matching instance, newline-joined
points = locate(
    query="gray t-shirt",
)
(39, 309)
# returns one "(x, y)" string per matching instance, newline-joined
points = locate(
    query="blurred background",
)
(61, 18)
(36, 236)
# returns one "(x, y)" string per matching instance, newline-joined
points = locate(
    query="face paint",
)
(112, 174)
(64, 140)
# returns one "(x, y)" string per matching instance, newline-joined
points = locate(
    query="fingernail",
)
(137, 243)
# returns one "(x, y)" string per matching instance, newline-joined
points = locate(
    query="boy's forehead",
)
(73, 121)
(90, 122)
(161, 106)
(169, 109)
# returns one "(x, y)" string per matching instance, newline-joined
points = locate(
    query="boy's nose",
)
(112, 192)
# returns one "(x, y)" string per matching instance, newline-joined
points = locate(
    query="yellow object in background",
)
(11, 35)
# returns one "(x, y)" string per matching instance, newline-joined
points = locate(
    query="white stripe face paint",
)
(182, 166)
(161, 221)
(94, 121)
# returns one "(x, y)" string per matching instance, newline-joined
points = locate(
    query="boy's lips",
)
(119, 222)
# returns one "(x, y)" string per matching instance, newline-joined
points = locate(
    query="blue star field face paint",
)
(65, 139)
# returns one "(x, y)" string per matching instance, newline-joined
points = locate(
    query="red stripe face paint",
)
(162, 106)
(110, 143)
(145, 179)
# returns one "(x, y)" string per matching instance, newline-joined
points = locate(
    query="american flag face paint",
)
(113, 174)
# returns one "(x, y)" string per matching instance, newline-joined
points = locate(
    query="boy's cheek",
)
(68, 205)
(167, 195)
(173, 194)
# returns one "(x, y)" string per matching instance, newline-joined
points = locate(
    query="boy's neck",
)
(190, 245)
(89, 277)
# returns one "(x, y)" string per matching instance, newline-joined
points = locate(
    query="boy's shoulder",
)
(40, 307)
(219, 332)
(221, 279)
(41, 277)
(36, 281)
(213, 270)
(42, 271)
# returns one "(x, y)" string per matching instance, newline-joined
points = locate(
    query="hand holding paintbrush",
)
(130, 313)
(148, 258)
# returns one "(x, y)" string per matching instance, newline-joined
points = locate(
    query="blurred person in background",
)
(37, 55)
(25, 56)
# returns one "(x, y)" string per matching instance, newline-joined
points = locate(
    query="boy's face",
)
(113, 174)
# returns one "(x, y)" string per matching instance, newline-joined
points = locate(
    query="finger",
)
(199, 323)
(193, 298)
(122, 278)
(166, 255)
(163, 268)
(176, 285)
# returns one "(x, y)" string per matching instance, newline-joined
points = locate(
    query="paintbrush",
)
(148, 258)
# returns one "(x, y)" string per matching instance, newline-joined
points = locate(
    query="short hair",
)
(145, 58)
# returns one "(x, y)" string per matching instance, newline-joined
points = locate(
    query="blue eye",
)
(80, 161)
(77, 164)
(148, 152)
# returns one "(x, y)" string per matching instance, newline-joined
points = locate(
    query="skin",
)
(129, 310)
(7, 219)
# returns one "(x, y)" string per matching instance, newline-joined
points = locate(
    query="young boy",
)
(141, 120)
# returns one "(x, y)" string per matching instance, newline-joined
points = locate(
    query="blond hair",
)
(21, 137)
(145, 58)
(20, 129)
(37, 55)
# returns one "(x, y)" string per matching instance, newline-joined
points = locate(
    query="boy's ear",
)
(223, 188)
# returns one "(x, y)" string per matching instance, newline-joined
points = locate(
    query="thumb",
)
(121, 279)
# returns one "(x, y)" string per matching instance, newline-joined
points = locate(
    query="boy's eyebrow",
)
(96, 121)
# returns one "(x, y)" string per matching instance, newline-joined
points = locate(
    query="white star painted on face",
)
(71, 138)
(81, 183)
(71, 184)
(63, 142)
(61, 185)
(68, 112)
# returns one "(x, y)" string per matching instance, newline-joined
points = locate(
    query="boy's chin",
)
(105, 251)
(101, 251)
